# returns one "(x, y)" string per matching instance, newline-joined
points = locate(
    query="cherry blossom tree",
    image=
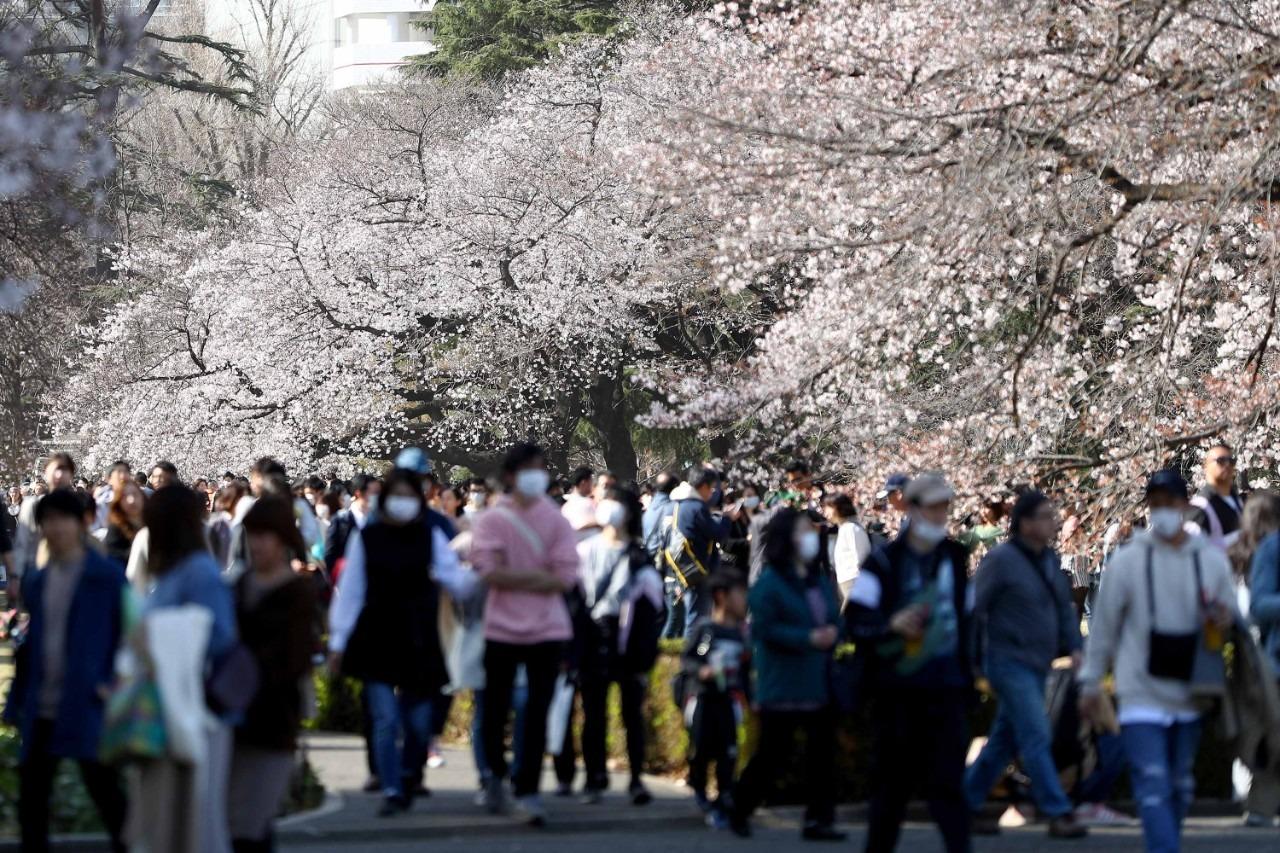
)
(451, 268)
(1020, 241)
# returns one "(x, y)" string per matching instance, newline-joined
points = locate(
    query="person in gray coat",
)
(1026, 619)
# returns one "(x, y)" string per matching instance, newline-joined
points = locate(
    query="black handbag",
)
(1171, 656)
(231, 687)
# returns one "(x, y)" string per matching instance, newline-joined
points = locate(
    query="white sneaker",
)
(435, 761)
(1099, 814)
(531, 810)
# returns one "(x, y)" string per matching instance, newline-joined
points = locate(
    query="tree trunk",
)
(611, 419)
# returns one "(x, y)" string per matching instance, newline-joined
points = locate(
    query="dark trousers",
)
(366, 732)
(595, 723)
(776, 745)
(713, 737)
(921, 741)
(36, 784)
(542, 663)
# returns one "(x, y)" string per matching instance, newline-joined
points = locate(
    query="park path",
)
(450, 812)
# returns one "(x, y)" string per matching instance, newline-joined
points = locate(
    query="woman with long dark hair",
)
(275, 612)
(181, 806)
(124, 520)
(793, 628)
(383, 627)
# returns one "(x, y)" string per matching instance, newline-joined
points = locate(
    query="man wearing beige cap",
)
(911, 604)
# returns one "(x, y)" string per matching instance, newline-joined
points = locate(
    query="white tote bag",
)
(558, 714)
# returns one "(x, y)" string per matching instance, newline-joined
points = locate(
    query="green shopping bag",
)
(133, 728)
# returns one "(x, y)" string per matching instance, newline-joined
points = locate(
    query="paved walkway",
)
(451, 812)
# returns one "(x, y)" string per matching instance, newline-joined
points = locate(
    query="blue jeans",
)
(1161, 760)
(1021, 728)
(674, 627)
(697, 603)
(396, 713)
(1097, 787)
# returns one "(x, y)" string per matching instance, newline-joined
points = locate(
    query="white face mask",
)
(927, 531)
(1166, 522)
(807, 546)
(401, 508)
(475, 500)
(532, 482)
(611, 514)
(751, 501)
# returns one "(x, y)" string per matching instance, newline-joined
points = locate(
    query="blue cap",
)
(414, 459)
(1169, 481)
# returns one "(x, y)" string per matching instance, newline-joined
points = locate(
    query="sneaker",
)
(1098, 814)
(564, 789)
(531, 811)
(1066, 826)
(717, 820)
(740, 825)
(640, 795)
(704, 805)
(1253, 820)
(393, 805)
(495, 796)
(822, 832)
(372, 786)
(435, 760)
(592, 797)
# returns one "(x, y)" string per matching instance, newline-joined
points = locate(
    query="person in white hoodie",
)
(1168, 593)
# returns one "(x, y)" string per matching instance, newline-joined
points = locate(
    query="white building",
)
(353, 42)
(373, 38)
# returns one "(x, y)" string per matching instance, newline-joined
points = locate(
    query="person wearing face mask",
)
(793, 627)
(477, 497)
(911, 606)
(622, 600)
(382, 627)
(1168, 592)
(1026, 619)
(527, 554)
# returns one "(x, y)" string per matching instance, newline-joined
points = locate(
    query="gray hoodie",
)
(1119, 637)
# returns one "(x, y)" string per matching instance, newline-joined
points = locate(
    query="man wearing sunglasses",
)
(1218, 506)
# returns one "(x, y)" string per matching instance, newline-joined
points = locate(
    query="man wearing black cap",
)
(1025, 619)
(1167, 594)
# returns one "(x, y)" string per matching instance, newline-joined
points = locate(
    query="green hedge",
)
(667, 740)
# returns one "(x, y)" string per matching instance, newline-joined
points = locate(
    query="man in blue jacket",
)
(76, 605)
(695, 550)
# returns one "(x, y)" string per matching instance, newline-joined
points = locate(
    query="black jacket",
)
(397, 639)
(279, 629)
(867, 617)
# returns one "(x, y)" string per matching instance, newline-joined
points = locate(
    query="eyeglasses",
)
(1224, 460)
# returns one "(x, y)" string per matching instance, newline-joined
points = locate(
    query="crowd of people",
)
(169, 633)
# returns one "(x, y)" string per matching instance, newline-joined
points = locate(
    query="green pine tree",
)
(486, 38)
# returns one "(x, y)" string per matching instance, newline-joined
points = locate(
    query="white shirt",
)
(348, 598)
(851, 549)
